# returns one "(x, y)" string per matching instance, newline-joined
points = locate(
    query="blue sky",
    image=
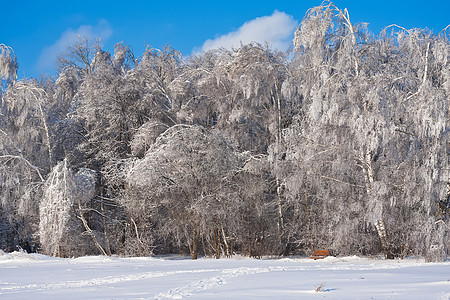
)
(39, 30)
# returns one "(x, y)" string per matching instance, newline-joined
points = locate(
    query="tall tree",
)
(359, 127)
(25, 156)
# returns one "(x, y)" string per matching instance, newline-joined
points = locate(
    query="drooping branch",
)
(39, 94)
(27, 162)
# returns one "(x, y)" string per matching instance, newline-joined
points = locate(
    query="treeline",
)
(342, 143)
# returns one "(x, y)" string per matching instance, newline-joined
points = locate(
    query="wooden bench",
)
(320, 254)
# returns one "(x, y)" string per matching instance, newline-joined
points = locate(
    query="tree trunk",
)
(194, 248)
(278, 143)
(249, 235)
(308, 222)
(227, 249)
(57, 252)
(107, 244)
(381, 229)
(366, 162)
(217, 242)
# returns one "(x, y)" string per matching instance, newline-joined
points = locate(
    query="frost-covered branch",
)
(27, 162)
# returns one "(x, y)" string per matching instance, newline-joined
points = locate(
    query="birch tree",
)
(355, 120)
(25, 156)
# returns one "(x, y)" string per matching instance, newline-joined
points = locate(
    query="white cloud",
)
(48, 55)
(276, 29)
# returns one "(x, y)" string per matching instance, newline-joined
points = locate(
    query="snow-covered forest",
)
(341, 143)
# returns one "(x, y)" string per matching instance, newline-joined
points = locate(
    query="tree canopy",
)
(341, 143)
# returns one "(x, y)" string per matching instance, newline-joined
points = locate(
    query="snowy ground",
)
(34, 276)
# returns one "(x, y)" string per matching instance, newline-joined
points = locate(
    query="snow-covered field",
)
(33, 276)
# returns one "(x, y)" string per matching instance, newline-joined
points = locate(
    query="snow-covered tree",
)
(25, 156)
(340, 144)
(54, 209)
(63, 225)
(8, 66)
(362, 132)
(189, 172)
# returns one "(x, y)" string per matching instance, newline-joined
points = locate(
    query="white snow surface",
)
(34, 276)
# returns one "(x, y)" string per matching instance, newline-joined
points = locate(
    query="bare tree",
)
(79, 56)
